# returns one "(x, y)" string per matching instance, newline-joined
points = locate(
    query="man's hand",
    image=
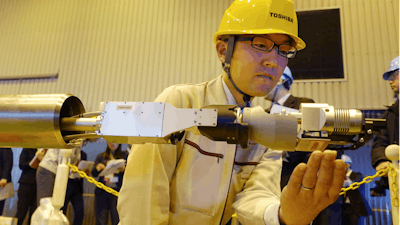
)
(100, 166)
(311, 188)
(3, 182)
(381, 166)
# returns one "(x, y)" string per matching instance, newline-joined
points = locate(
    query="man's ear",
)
(221, 50)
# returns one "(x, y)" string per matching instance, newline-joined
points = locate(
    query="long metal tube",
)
(33, 121)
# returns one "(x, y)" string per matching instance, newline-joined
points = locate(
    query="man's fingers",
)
(325, 173)
(313, 164)
(296, 179)
(338, 179)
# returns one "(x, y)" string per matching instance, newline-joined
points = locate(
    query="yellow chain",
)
(93, 181)
(394, 189)
(390, 169)
(380, 173)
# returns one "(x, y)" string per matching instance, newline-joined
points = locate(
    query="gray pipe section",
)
(278, 132)
(33, 121)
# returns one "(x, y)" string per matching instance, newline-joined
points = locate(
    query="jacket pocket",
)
(197, 180)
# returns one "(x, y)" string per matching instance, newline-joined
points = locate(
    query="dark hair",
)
(117, 154)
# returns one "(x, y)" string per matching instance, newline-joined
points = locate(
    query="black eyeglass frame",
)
(280, 52)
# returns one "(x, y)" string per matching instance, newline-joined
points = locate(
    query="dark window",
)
(322, 58)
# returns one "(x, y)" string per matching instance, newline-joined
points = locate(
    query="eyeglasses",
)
(266, 45)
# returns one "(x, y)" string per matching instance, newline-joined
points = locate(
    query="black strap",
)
(229, 51)
(227, 65)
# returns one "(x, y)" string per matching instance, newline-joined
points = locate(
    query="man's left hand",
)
(311, 188)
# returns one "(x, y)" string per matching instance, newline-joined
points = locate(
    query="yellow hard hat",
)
(261, 17)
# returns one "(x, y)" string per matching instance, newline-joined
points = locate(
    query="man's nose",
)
(271, 58)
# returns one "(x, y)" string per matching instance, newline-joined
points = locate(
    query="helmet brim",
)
(388, 73)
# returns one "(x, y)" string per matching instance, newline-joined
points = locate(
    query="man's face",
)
(394, 81)
(256, 72)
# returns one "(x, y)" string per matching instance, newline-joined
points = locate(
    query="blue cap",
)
(394, 65)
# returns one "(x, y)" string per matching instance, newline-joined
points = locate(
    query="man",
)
(355, 205)
(280, 95)
(200, 181)
(390, 135)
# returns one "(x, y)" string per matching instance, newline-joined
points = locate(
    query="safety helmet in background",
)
(346, 159)
(261, 17)
(394, 65)
(287, 78)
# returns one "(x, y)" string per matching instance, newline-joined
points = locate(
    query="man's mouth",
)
(266, 76)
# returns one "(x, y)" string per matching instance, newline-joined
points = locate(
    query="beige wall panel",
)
(132, 50)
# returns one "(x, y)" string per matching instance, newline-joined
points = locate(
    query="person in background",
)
(354, 204)
(74, 194)
(105, 202)
(390, 135)
(200, 181)
(46, 172)
(27, 184)
(6, 164)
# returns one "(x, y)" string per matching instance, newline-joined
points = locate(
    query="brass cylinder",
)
(33, 121)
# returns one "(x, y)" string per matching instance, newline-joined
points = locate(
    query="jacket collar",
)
(215, 94)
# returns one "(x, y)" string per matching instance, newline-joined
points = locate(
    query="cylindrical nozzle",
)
(34, 121)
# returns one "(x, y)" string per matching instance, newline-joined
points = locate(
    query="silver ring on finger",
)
(306, 188)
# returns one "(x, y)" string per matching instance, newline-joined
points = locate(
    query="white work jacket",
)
(203, 182)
